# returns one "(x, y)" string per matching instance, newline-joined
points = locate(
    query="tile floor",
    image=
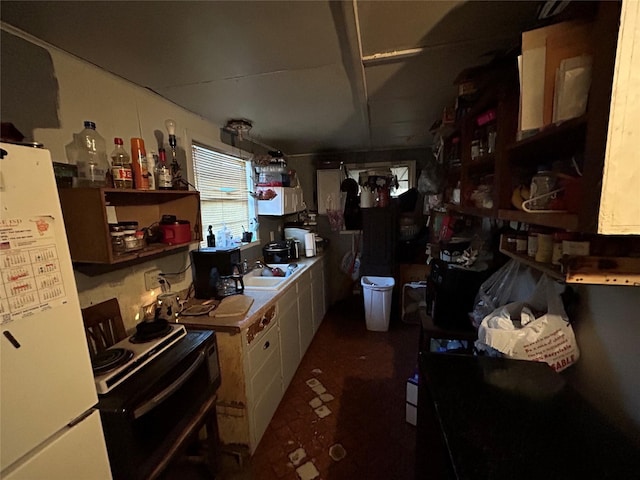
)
(343, 415)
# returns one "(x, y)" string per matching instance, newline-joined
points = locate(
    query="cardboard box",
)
(542, 51)
(412, 400)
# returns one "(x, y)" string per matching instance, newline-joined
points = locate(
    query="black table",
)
(514, 420)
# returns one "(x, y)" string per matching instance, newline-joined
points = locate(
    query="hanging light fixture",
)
(239, 127)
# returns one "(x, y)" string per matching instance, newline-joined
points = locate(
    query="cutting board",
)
(235, 306)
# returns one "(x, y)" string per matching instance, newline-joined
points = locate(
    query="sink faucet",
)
(256, 265)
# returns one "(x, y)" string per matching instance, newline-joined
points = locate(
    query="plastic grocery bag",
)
(537, 329)
(512, 282)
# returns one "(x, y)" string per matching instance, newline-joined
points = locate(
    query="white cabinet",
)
(265, 384)
(620, 201)
(259, 359)
(289, 335)
(305, 312)
(286, 200)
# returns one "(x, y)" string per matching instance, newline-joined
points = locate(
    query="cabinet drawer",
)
(262, 348)
(260, 327)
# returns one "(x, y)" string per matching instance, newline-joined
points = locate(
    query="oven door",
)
(141, 415)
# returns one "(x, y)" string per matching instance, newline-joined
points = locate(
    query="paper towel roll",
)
(310, 244)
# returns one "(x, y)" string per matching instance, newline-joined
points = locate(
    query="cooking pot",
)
(279, 252)
(175, 232)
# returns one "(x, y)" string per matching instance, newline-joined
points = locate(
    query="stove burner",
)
(109, 359)
(147, 331)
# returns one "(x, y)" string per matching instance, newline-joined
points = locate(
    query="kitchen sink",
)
(255, 280)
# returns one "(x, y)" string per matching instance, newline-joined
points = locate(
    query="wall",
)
(48, 94)
(607, 328)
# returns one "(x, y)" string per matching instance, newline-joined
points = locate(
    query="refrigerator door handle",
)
(13, 340)
(153, 402)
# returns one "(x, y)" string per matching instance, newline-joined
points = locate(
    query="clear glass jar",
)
(117, 243)
(130, 240)
(542, 183)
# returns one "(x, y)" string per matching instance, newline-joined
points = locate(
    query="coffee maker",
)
(216, 273)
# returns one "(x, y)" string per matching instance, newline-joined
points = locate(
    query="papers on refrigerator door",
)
(31, 276)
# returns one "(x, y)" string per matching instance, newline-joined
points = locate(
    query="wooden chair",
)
(103, 325)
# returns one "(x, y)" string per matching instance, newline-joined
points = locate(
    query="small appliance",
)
(282, 251)
(175, 232)
(216, 272)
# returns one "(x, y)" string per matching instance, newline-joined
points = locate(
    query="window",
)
(223, 181)
(404, 171)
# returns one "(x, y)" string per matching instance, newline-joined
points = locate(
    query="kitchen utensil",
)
(167, 306)
(236, 306)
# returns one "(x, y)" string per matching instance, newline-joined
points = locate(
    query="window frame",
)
(409, 164)
(252, 214)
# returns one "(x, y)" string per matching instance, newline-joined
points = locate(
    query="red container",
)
(176, 232)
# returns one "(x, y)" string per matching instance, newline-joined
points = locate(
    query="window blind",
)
(221, 180)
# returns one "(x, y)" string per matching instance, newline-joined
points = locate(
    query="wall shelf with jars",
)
(91, 213)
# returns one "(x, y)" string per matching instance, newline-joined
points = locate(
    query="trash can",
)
(377, 302)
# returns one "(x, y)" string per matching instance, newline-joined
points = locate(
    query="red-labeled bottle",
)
(121, 172)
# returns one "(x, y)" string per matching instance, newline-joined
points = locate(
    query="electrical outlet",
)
(151, 278)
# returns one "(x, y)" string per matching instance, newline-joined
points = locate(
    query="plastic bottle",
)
(139, 162)
(92, 158)
(543, 182)
(163, 172)
(151, 166)
(121, 166)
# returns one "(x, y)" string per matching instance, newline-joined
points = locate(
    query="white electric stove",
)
(114, 365)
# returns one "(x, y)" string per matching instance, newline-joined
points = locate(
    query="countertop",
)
(263, 299)
(515, 419)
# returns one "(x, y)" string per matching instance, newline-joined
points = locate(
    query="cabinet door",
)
(305, 313)
(268, 400)
(289, 335)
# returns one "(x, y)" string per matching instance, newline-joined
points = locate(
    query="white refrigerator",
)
(49, 428)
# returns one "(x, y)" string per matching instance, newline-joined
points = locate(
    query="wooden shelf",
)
(591, 270)
(623, 271)
(87, 213)
(565, 221)
(154, 250)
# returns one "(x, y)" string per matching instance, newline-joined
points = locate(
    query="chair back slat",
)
(103, 325)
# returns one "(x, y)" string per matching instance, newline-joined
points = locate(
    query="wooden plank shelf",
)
(623, 271)
(591, 270)
(565, 221)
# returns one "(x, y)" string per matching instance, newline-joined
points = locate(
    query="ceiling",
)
(311, 76)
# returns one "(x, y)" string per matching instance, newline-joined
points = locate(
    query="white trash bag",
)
(537, 329)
